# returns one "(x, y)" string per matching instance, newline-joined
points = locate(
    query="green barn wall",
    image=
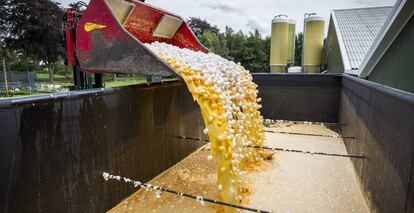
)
(396, 67)
(333, 59)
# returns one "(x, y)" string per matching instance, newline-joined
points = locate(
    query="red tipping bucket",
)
(111, 34)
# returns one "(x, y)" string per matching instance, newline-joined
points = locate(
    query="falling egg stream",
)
(230, 107)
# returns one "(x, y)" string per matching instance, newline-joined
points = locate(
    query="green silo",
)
(291, 42)
(279, 45)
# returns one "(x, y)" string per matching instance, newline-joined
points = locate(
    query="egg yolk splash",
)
(229, 105)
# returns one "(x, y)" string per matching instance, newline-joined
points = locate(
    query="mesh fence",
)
(15, 79)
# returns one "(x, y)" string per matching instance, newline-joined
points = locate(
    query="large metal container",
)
(279, 45)
(291, 41)
(54, 148)
(313, 43)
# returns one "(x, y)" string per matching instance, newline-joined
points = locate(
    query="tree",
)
(4, 13)
(298, 49)
(78, 6)
(252, 50)
(34, 28)
(18, 61)
(12, 58)
(236, 43)
(199, 26)
(215, 43)
(3, 28)
(266, 61)
(255, 55)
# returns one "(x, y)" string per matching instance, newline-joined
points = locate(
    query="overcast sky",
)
(256, 14)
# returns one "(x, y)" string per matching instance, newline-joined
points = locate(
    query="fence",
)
(21, 80)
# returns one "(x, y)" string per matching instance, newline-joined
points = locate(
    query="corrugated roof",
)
(358, 29)
(400, 15)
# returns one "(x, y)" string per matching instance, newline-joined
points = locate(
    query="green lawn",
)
(125, 82)
(21, 93)
(61, 79)
(66, 79)
(58, 78)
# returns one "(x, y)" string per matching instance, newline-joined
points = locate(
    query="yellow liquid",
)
(229, 134)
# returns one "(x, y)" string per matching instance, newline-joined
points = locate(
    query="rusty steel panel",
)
(54, 148)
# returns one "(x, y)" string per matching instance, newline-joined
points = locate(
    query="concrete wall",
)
(53, 150)
(396, 67)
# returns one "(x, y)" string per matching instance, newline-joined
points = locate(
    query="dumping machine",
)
(109, 37)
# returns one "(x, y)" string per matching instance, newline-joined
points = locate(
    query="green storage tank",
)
(313, 37)
(291, 41)
(279, 45)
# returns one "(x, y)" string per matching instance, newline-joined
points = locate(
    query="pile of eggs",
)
(230, 107)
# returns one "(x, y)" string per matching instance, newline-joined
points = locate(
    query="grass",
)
(125, 82)
(61, 79)
(57, 78)
(21, 93)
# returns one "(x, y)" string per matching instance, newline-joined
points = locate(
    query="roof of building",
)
(401, 13)
(356, 31)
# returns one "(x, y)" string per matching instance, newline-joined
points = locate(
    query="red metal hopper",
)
(111, 33)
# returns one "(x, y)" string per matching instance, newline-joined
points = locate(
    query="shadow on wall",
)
(54, 149)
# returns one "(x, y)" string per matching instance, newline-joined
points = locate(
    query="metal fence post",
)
(29, 79)
(5, 77)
